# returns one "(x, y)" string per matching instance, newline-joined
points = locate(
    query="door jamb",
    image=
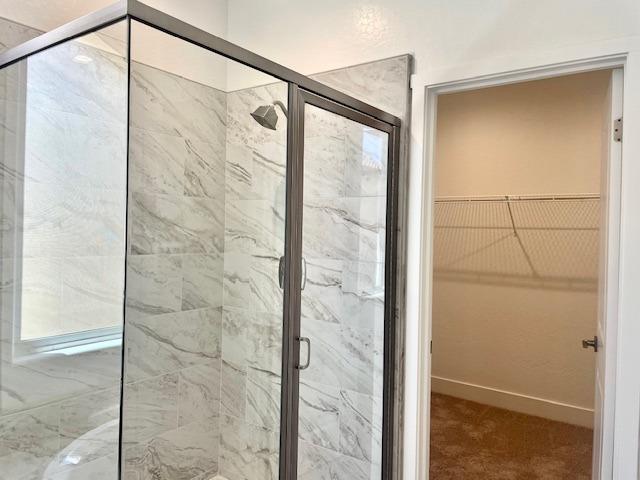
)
(432, 92)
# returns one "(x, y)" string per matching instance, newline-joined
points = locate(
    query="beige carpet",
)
(474, 441)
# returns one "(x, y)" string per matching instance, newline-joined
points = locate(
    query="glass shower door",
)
(341, 341)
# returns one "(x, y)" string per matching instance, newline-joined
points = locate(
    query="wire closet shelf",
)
(546, 241)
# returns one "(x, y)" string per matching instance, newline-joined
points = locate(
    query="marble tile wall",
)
(386, 85)
(63, 146)
(174, 317)
(252, 299)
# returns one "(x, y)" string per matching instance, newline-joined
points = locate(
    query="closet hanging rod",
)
(519, 198)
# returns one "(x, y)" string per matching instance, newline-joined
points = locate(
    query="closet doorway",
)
(526, 202)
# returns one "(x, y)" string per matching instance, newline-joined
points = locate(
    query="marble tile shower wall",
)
(253, 303)
(59, 413)
(171, 409)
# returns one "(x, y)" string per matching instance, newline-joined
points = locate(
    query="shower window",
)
(70, 110)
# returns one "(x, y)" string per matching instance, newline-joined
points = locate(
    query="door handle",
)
(308, 342)
(591, 344)
(304, 274)
(281, 273)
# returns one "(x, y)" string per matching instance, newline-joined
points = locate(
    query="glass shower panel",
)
(207, 192)
(63, 134)
(343, 296)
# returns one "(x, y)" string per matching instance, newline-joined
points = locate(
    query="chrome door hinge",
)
(617, 130)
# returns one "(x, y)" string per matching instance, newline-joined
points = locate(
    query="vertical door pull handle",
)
(304, 274)
(591, 344)
(281, 273)
(308, 342)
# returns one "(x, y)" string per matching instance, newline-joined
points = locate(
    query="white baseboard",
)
(516, 402)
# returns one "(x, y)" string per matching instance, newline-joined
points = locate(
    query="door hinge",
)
(430, 346)
(617, 130)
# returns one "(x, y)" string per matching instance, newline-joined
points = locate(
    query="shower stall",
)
(198, 254)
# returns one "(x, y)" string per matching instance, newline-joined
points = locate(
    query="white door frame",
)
(424, 303)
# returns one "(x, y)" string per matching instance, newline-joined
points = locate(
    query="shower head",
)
(267, 116)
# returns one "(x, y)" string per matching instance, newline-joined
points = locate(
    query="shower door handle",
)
(308, 342)
(281, 273)
(304, 274)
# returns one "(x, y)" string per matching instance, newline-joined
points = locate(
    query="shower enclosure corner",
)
(198, 261)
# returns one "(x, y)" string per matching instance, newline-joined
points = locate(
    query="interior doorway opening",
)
(525, 199)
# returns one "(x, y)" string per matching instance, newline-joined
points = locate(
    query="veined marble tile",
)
(247, 452)
(243, 130)
(89, 430)
(165, 103)
(154, 284)
(81, 414)
(322, 297)
(361, 426)
(202, 281)
(382, 83)
(92, 293)
(323, 123)
(100, 442)
(187, 453)
(319, 421)
(344, 357)
(149, 408)
(95, 153)
(237, 280)
(61, 221)
(203, 225)
(325, 159)
(29, 442)
(173, 341)
(204, 170)
(363, 285)
(239, 177)
(105, 468)
(267, 295)
(26, 386)
(156, 163)
(252, 340)
(317, 463)
(233, 390)
(56, 83)
(70, 149)
(251, 282)
(199, 393)
(254, 227)
(264, 390)
(366, 161)
(156, 224)
(344, 228)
